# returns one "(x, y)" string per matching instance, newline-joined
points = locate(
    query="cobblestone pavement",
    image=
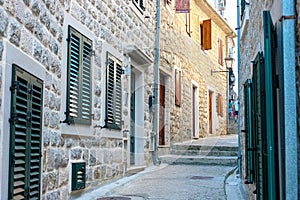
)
(166, 182)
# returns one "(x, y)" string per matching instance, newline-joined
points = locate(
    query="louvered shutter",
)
(249, 139)
(86, 81)
(25, 136)
(113, 94)
(118, 95)
(110, 93)
(79, 78)
(206, 34)
(142, 5)
(259, 116)
(270, 95)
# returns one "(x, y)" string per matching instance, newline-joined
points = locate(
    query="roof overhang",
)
(216, 17)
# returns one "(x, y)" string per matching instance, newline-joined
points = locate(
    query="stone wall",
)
(36, 28)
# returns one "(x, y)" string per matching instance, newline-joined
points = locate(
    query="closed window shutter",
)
(86, 82)
(249, 136)
(206, 34)
(79, 79)
(177, 88)
(25, 140)
(220, 52)
(113, 94)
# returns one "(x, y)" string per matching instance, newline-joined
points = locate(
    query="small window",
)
(220, 105)
(201, 35)
(79, 78)
(206, 34)
(113, 93)
(220, 52)
(177, 87)
(140, 4)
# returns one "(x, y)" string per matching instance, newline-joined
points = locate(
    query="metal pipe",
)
(290, 96)
(156, 74)
(238, 66)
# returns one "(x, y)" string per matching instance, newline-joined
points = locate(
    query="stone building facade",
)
(192, 46)
(269, 98)
(75, 77)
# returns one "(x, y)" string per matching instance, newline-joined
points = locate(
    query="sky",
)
(230, 14)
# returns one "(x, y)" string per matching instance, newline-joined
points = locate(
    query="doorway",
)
(136, 117)
(210, 112)
(195, 112)
(162, 100)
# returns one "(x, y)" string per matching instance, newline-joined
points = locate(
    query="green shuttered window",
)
(113, 93)
(25, 136)
(79, 78)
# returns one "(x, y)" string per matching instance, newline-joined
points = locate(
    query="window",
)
(206, 34)
(220, 105)
(220, 52)
(79, 78)
(177, 87)
(113, 93)
(140, 5)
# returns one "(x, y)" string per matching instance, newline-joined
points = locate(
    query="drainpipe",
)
(239, 91)
(156, 73)
(290, 96)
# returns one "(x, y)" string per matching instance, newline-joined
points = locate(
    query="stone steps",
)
(207, 151)
(199, 160)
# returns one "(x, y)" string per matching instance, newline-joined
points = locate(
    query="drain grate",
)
(201, 177)
(114, 198)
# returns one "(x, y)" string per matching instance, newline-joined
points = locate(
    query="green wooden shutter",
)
(118, 95)
(79, 78)
(269, 47)
(86, 82)
(113, 94)
(25, 136)
(249, 147)
(259, 128)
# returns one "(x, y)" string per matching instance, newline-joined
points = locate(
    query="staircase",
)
(217, 150)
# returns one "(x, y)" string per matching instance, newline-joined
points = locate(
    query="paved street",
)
(165, 182)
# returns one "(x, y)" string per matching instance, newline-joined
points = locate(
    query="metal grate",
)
(201, 177)
(78, 176)
(114, 198)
